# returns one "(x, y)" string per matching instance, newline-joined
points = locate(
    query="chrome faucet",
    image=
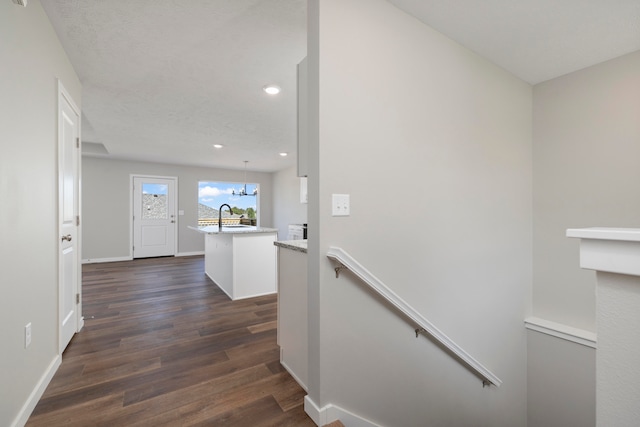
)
(220, 215)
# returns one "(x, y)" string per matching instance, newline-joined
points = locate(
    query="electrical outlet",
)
(27, 335)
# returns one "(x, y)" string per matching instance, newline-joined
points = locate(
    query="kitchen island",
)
(241, 259)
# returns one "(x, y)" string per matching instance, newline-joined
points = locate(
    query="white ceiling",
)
(536, 40)
(164, 80)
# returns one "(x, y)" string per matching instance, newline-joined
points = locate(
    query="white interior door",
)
(68, 210)
(154, 216)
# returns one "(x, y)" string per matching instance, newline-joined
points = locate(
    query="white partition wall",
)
(615, 255)
(433, 145)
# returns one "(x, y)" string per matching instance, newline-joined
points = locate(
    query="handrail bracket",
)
(337, 269)
(422, 331)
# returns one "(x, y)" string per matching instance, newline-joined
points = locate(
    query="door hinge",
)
(77, 142)
(77, 298)
(77, 220)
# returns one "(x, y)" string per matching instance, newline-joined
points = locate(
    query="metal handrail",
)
(424, 326)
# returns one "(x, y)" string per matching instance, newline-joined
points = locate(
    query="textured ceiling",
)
(164, 80)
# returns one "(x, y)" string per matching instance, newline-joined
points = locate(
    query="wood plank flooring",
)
(163, 346)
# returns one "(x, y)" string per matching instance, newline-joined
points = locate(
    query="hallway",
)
(163, 346)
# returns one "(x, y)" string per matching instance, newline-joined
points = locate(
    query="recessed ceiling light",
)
(283, 154)
(217, 146)
(272, 89)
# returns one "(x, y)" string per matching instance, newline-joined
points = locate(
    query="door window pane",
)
(154, 201)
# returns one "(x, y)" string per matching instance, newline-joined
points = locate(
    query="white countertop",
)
(233, 229)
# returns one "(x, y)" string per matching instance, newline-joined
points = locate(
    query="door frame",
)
(64, 94)
(132, 209)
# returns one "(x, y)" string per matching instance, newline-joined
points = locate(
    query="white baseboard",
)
(97, 260)
(242, 297)
(130, 258)
(28, 407)
(330, 413)
(190, 253)
(559, 330)
(293, 374)
(319, 416)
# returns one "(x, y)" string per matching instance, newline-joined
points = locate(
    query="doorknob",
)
(67, 238)
(172, 221)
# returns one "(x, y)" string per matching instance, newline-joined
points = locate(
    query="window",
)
(154, 201)
(211, 195)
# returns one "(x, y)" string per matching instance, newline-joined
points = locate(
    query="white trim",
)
(317, 415)
(129, 258)
(293, 374)
(63, 94)
(113, 259)
(131, 208)
(261, 294)
(330, 413)
(559, 330)
(31, 402)
(190, 253)
(238, 298)
(218, 286)
(606, 233)
(614, 250)
(342, 257)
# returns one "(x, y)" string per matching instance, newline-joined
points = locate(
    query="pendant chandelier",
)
(243, 190)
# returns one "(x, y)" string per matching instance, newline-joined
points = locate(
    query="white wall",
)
(32, 60)
(561, 382)
(287, 208)
(586, 150)
(433, 143)
(106, 204)
(586, 174)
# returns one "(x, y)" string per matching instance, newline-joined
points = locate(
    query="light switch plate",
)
(180, 212)
(340, 205)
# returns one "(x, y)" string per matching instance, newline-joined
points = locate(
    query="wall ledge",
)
(605, 233)
(614, 250)
(562, 331)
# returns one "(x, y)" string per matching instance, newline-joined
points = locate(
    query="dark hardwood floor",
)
(163, 346)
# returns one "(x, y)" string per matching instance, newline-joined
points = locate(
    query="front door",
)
(68, 209)
(154, 216)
